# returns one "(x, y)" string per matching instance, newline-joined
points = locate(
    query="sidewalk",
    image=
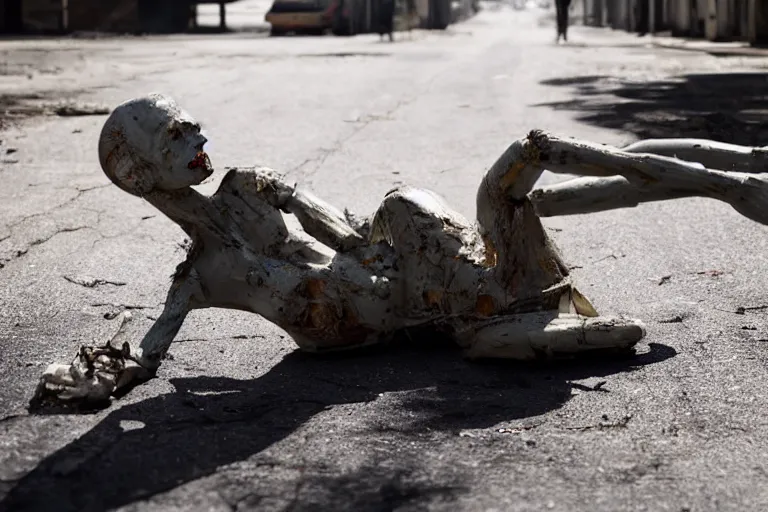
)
(729, 49)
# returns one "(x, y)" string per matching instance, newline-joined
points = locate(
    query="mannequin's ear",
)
(136, 177)
(122, 164)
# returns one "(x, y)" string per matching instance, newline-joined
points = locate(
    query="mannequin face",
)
(159, 146)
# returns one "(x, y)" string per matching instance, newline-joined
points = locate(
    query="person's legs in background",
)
(564, 8)
(559, 12)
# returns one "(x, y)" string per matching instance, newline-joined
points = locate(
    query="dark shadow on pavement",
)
(215, 421)
(727, 107)
(371, 488)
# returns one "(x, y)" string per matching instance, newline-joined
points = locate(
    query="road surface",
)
(239, 421)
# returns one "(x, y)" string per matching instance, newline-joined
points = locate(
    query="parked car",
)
(342, 17)
(300, 16)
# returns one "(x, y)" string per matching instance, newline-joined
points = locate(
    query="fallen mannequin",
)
(497, 287)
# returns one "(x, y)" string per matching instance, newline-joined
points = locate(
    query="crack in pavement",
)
(40, 241)
(11, 227)
(603, 425)
(124, 306)
(93, 283)
(127, 232)
(235, 337)
(364, 121)
(77, 196)
(339, 144)
(117, 309)
(101, 237)
(10, 417)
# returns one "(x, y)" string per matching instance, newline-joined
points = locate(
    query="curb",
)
(715, 49)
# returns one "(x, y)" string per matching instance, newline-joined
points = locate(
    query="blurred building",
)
(716, 20)
(169, 16)
(10, 16)
(126, 16)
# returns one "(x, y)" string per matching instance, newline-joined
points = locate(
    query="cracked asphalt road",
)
(237, 420)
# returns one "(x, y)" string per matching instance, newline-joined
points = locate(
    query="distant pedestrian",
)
(562, 7)
(386, 18)
(411, 16)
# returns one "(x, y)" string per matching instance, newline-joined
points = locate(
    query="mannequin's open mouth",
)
(201, 160)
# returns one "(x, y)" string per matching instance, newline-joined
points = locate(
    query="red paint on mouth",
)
(200, 160)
